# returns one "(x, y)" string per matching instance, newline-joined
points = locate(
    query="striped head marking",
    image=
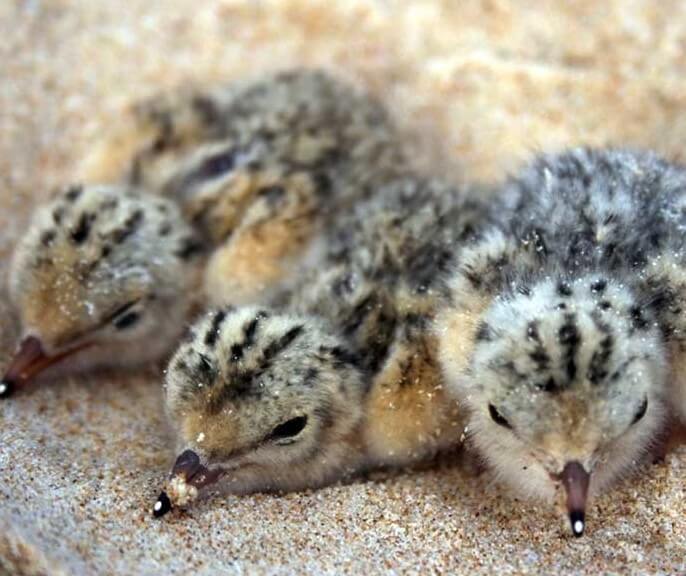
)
(565, 371)
(107, 268)
(253, 386)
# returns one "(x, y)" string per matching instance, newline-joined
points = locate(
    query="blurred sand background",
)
(479, 86)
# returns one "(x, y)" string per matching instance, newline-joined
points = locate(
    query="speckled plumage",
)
(258, 167)
(564, 320)
(362, 325)
(101, 269)
(250, 174)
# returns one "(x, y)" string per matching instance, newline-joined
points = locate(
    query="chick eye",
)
(641, 412)
(289, 429)
(498, 417)
(124, 317)
(127, 320)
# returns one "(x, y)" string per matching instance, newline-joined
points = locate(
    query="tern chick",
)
(340, 374)
(565, 320)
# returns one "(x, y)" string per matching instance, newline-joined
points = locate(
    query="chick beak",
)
(29, 360)
(575, 480)
(187, 465)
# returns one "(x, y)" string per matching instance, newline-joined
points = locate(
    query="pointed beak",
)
(575, 479)
(188, 467)
(29, 360)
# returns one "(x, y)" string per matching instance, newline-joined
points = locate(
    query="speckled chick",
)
(259, 167)
(104, 273)
(248, 175)
(340, 375)
(566, 319)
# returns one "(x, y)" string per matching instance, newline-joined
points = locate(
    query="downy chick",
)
(104, 273)
(248, 175)
(259, 167)
(338, 377)
(560, 331)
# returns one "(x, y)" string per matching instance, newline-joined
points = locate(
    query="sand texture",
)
(479, 86)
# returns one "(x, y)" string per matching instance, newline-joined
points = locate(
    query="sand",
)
(479, 86)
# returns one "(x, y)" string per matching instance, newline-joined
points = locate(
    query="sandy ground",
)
(480, 86)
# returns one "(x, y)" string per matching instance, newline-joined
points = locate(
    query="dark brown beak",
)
(575, 479)
(29, 360)
(187, 465)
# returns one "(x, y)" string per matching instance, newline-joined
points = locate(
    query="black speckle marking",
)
(254, 165)
(359, 314)
(540, 358)
(599, 286)
(604, 305)
(322, 184)
(621, 370)
(109, 204)
(164, 229)
(484, 333)
(524, 290)
(213, 332)
(564, 289)
(597, 370)
(570, 339)
(208, 111)
(549, 385)
(131, 224)
(343, 285)
(638, 321)
(58, 214)
(277, 346)
(81, 231)
(73, 193)
(532, 331)
(341, 357)
(311, 376)
(561, 306)
(472, 277)
(272, 194)
(205, 366)
(47, 237)
(610, 249)
(249, 331)
(188, 248)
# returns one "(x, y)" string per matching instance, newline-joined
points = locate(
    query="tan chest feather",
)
(409, 415)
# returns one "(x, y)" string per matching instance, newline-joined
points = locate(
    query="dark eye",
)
(641, 412)
(124, 317)
(497, 417)
(289, 429)
(126, 321)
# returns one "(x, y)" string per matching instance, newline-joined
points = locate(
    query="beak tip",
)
(162, 506)
(6, 389)
(576, 519)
